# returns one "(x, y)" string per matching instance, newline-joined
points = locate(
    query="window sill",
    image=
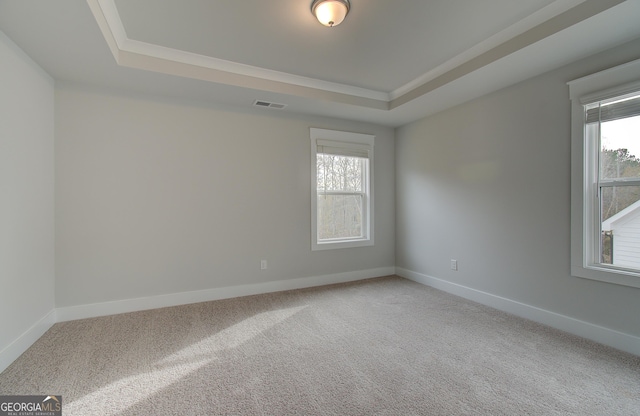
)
(607, 275)
(334, 245)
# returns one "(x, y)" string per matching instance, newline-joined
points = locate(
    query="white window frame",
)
(347, 140)
(585, 211)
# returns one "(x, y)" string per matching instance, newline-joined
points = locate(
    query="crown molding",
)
(549, 20)
(546, 13)
(562, 18)
(142, 55)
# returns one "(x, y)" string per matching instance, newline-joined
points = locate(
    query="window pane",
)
(615, 199)
(620, 148)
(620, 242)
(340, 173)
(339, 216)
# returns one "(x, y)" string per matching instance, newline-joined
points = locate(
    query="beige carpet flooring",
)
(384, 346)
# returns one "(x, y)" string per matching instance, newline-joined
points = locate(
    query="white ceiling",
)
(389, 62)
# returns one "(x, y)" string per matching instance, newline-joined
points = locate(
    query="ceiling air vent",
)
(267, 104)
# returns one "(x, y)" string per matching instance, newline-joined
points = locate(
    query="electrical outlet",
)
(263, 265)
(454, 264)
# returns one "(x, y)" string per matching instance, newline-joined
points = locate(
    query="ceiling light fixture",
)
(330, 12)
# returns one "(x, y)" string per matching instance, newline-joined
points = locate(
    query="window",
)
(612, 135)
(605, 203)
(341, 197)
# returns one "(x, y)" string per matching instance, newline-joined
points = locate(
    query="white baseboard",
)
(71, 313)
(24, 341)
(615, 339)
(602, 335)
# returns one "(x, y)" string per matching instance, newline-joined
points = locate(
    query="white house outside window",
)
(342, 193)
(605, 203)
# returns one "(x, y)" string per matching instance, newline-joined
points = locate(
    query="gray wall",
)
(488, 183)
(157, 197)
(26, 195)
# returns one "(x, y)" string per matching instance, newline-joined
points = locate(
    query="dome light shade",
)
(330, 12)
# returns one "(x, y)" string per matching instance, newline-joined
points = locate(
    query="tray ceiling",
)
(389, 62)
